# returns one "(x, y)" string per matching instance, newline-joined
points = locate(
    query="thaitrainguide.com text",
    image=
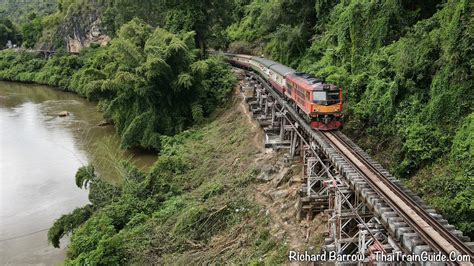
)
(295, 256)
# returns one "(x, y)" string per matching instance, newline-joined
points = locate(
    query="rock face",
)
(91, 35)
(83, 29)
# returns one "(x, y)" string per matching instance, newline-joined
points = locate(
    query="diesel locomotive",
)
(318, 102)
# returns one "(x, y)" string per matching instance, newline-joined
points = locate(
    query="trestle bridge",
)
(369, 210)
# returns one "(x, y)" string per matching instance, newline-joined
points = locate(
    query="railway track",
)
(411, 210)
(430, 230)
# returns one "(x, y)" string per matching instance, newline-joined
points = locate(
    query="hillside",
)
(406, 69)
(201, 202)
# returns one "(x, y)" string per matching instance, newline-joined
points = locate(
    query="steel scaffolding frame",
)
(352, 228)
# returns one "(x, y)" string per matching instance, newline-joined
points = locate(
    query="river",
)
(39, 155)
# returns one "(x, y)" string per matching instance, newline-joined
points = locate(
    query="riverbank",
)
(40, 155)
(148, 96)
(201, 202)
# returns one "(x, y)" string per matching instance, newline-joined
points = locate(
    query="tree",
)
(207, 18)
(8, 32)
(32, 32)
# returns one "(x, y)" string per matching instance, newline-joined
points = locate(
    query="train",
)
(318, 102)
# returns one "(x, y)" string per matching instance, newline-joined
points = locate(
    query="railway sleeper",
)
(421, 203)
(355, 179)
(411, 240)
(459, 234)
(388, 214)
(384, 209)
(360, 185)
(372, 199)
(379, 208)
(365, 191)
(351, 173)
(395, 222)
(401, 230)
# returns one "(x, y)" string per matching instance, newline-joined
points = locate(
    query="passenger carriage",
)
(262, 65)
(277, 73)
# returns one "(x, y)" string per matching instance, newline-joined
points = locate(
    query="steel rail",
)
(431, 231)
(407, 208)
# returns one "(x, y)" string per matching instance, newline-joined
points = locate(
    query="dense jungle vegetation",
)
(149, 82)
(406, 68)
(21, 11)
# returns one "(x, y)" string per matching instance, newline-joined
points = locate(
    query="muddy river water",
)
(39, 155)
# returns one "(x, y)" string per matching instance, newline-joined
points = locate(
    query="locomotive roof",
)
(264, 61)
(237, 55)
(227, 54)
(243, 55)
(311, 82)
(281, 69)
(308, 78)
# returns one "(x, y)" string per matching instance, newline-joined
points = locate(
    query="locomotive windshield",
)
(325, 97)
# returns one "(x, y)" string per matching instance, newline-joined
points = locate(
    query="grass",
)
(219, 186)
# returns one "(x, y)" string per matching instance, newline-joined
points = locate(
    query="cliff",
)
(72, 28)
(83, 28)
